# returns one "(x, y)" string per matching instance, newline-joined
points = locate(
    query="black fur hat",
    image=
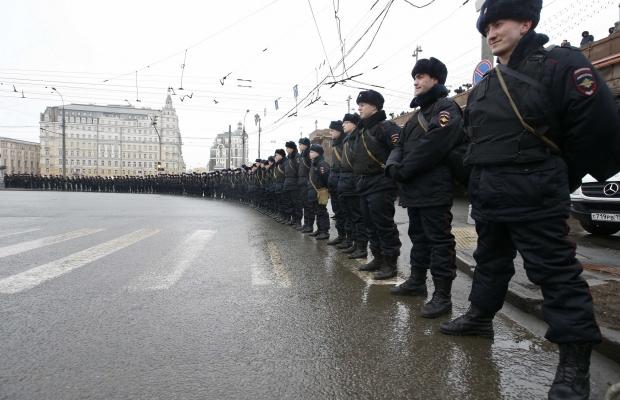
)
(317, 148)
(337, 126)
(304, 140)
(270, 159)
(280, 152)
(518, 10)
(291, 145)
(433, 67)
(371, 97)
(354, 118)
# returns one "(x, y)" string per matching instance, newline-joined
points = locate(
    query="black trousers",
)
(322, 217)
(308, 207)
(433, 245)
(292, 205)
(378, 213)
(355, 220)
(339, 212)
(549, 261)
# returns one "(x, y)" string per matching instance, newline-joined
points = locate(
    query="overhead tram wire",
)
(287, 114)
(318, 31)
(200, 42)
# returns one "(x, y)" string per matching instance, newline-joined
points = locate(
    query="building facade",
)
(219, 150)
(18, 157)
(111, 140)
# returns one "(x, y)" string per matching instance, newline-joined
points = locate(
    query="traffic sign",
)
(482, 68)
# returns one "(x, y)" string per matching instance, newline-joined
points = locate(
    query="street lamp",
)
(64, 150)
(257, 122)
(244, 138)
(154, 123)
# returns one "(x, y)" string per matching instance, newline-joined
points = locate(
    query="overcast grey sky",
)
(90, 51)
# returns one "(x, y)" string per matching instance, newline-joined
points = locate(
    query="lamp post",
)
(257, 122)
(244, 138)
(154, 123)
(229, 147)
(64, 149)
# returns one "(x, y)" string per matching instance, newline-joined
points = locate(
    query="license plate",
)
(605, 217)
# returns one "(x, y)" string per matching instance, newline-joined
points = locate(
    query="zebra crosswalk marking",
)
(38, 275)
(45, 241)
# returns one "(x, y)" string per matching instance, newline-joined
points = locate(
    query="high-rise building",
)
(219, 150)
(111, 140)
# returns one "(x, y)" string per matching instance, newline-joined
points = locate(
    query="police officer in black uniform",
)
(373, 143)
(291, 197)
(302, 185)
(318, 179)
(419, 164)
(337, 134)
(536, 105)
(278, 176)
(356, 243)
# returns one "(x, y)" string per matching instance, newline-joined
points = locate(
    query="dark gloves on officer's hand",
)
(392, 171)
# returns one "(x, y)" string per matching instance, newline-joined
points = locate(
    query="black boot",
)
(322, 236)
(360, 251)
(307, 229)
(374, 264)
(474, 322)
(345, 244)
(414, 286)
(388, 268)
(339, 239)
(441, 302)
(572, 378)
(315, 233)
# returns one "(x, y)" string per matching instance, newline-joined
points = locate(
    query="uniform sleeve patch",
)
(444, 118)
(395, 137)
(585, 82)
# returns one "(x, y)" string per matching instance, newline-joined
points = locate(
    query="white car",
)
(597, 205)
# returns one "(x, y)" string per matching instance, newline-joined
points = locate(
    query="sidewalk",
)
(601, 270)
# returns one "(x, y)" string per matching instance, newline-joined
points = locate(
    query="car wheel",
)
(600, 229)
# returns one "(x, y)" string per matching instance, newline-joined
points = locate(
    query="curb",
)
(609, 347)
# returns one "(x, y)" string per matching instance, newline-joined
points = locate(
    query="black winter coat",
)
(291, 171)
(378, 137)
(418, 160)
(319, 176)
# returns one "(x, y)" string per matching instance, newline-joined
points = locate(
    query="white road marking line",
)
(279, 270)
(38, 275)
(183, 256)
(42, 242)
(19, 232)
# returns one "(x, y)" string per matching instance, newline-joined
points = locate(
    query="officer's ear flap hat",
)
(305, 141)
(433, 67)
(337, 126)
(517, 10)
(291, 145)
(371, 97)
(353, 118)
(281, 152)
(317, 148)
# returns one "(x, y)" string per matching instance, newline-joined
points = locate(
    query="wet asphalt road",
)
(204, 299)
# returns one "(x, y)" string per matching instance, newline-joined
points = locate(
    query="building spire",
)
(168, 100)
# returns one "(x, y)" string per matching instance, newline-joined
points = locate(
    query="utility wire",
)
(318, 31)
